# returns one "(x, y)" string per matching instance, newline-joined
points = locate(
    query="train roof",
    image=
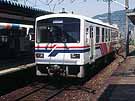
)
(13, 25)
(96, 21)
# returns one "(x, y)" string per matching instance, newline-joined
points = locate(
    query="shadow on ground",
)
(119, 92)
(132, 53)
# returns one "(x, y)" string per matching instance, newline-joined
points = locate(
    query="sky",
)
(88, 8)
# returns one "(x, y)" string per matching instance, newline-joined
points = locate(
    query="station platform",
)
(14, 65)
(121, 85)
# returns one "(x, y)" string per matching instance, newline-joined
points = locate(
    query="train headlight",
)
(75, 56)
(39, 55)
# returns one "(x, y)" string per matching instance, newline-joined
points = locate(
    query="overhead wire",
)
(72, 1)
(49, 2)
(60, 1)
(45, 4)
(31, 3)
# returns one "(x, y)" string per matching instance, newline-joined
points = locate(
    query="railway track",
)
(45, 93)
(38, 91)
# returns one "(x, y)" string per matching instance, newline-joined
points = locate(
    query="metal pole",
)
(109, 12)
(24, 2)
(126, 28)
(35, 3)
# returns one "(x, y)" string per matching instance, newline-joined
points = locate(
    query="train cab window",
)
(97, 34)
(23, 32)
(103, 31)
(3, 39)
(58, 30)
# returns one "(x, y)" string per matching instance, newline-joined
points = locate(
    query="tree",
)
(105, 0)
(53, 3)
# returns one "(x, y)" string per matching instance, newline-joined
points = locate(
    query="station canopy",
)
(17, 13)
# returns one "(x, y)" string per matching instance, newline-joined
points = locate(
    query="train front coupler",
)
(56, 70)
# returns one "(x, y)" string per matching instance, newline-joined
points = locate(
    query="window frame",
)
(91, 31)
(97, 34)
(50, 23)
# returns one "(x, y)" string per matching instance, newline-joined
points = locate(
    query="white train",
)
(66, 43)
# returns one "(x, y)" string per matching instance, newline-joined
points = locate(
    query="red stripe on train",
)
(62, 46)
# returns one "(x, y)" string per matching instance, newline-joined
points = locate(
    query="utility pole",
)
(109, 11)
(35, 3)
(126, 28)
(24, 2)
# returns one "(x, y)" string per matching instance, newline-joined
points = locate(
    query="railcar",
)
(66, 43)
(14, 39)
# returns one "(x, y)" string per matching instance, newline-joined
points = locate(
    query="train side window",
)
(91, 31)
(87, 37)
(113, 35)
(87, 30)
(103, 34)
(97, 34)
(109, 35)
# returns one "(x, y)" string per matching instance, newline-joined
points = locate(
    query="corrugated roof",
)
(20, 9)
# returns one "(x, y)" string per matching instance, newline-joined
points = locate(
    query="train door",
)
(92, 43)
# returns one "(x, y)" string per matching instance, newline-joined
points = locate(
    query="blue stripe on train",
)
(45, 51)
(55, 52)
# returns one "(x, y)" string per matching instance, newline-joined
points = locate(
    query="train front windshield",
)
(58, 30)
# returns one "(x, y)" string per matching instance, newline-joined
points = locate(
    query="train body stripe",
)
(55, 52)
(62, 46)
(70, 49)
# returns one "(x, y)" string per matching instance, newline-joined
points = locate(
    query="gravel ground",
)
(92, 89)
